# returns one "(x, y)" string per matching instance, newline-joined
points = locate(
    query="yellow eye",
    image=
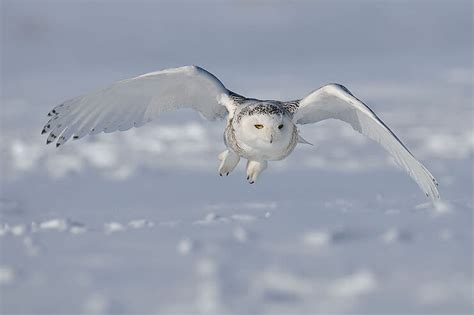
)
(281, 126)
(258, 126)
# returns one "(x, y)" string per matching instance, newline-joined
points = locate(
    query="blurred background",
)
(140, 222)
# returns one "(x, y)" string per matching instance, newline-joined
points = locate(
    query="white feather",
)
(136, 101)
(335, 101)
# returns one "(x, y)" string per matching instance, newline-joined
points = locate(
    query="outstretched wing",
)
(134, 102)
(337, 102)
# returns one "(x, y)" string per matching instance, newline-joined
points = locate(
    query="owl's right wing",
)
(136, 101)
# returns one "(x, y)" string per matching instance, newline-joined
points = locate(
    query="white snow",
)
(185, 246)
(54, 224)
(139, 223)
(361, 282)
(18, 230)
(76, 230)
(208, 294)
(112, 227)
(240, 234)
(243, 217)
(7, 275)
(212, 218)
(317, 238)
(96, 303)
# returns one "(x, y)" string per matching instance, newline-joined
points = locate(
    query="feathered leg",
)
(254, 168)
(229, 160)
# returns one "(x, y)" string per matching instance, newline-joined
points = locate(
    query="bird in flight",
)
(257, 130)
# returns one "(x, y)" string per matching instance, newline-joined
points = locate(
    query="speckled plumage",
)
(261, 108)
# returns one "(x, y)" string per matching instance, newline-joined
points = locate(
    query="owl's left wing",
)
(337, 102)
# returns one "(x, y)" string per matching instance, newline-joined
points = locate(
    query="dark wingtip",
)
(43, 131)
(58, 144)
(48, 141)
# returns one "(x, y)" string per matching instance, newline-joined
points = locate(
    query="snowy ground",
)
(140, 222)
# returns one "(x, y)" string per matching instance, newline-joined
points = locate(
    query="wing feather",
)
(136, 101)
(337, 102)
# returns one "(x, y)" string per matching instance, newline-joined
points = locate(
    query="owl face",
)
(272, 131)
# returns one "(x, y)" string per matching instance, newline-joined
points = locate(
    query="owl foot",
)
(229, 160)
(254, 168)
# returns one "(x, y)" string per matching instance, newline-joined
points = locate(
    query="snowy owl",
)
(257, 130)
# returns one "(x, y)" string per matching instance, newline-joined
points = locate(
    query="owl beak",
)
(271, 138)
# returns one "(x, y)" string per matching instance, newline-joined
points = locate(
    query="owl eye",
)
(258, 126)
(281, 126)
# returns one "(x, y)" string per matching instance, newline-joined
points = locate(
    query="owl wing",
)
(337, 102)
(136, 101)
